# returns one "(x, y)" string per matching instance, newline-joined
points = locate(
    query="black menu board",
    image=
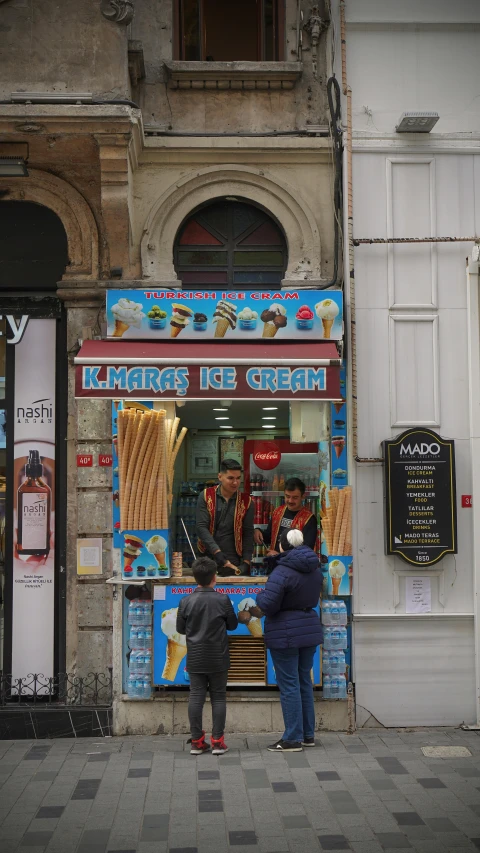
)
(420, 505)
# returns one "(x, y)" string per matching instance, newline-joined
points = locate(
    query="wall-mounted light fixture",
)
(13, 167)
(419, 122)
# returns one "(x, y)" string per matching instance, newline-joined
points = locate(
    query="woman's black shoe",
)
(285, 746)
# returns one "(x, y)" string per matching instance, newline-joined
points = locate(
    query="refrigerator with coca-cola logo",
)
(268, 465)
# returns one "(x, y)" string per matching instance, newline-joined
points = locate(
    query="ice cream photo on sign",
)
(247, 319)
(304, 317)
(225, 316)
(131, 550)
(157, 546)
(336, 571)
(253, 623)
(327, 311)
(181, 315)
(176, 644)
(338, 444)
(274, 318)
(126, 313)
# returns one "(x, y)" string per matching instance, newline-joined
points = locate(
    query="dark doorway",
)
(33, 247)
(230, 243)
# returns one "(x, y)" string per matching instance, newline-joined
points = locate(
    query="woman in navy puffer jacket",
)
(292, 633)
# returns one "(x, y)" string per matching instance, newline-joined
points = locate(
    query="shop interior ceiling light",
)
(269, 408)
(219, 410)
(13, 167)
(421, 122)
(222, 419)
(226, 403)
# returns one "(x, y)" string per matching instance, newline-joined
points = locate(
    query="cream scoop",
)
(169, 627)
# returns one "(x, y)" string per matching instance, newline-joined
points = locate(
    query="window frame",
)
(279, 28)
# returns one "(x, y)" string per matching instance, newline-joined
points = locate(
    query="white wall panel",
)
(412, 273)
(410, 11)
(414, 386)
(415, 671)
(373, 380)
(371, 270)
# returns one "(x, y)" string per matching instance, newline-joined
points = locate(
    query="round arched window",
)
(230, 243)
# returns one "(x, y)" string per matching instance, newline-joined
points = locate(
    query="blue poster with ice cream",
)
(145, 554)
(167, 315)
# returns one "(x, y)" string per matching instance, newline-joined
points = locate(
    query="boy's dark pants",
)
(216, 683)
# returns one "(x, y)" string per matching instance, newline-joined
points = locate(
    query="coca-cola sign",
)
(266, 455)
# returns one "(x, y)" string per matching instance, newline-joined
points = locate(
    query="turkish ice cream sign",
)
(161, 315)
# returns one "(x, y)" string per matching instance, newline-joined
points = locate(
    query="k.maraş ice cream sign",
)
(188, 315)
(148, 382)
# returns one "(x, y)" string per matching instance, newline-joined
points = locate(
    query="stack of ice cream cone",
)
(337, 523)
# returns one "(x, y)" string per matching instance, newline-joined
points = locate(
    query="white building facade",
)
(416, 337)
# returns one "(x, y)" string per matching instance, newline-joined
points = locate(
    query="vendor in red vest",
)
(291, 516)
(224, 522)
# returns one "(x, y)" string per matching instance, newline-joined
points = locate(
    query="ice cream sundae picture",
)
(157, 318)
(304, 317)
(336, 570)
(181, 316)
(126, 313)
(253, 623)
(247, 319)
(176, 644)
(199, 322)
(157, 546)
(327, 310)
(132, 549)
(274, 318)
(225, 316)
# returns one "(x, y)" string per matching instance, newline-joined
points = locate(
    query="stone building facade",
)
(124, 137)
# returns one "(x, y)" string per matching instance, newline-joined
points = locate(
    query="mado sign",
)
(143, 382)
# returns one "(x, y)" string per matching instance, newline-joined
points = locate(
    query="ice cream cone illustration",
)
(176, 644)
(274, 318)
(338, 444)
(339, 407)
(181, 315)
(131, 549)
(225, 316)
(126, 313)
(157, 546)
(336, 571)
(253, 623)
(327, 311)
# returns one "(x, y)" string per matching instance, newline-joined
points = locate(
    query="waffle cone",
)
(128, 559)
(175, 655)
(338, 407)
(338, 449)
(160, 558)
(255, 628)
(327, 327)
(222, 327)
(120, 329)
(269, 330)
(335, 585)
(175, 331)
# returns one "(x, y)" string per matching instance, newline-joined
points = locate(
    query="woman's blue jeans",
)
(292, 670)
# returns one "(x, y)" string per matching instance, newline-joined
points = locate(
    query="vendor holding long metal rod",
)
(224, 522)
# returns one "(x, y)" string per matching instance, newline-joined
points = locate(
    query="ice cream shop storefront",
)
(196, 378)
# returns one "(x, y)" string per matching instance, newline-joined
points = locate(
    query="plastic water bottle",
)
(138, 613)
(132, 610)
(343, 644)
(325, 661)
(332, 663)
(326, 613)
(138, 687)
(131, 686)
(334, 613)
(140, 662)
(342, 687)
(327, 687)
(335, 687)
(133, 637)
(148, 661)
(148, 638)
(133, 663)
(326, 638)
(342, 607)
(140, 638)
(146, 688)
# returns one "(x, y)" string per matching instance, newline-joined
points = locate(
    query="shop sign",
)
(186, 315)
(302, 382)
(267, 455)
(33, 616)
(420, 497)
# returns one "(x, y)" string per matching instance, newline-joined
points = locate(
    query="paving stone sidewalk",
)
(372, 792)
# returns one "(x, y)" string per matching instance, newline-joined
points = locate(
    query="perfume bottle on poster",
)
(33, 510)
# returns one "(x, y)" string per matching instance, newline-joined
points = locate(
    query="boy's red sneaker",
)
(199, 745)
(218, 746)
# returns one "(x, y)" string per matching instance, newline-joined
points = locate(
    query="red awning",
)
(197, 371)
(322, 353)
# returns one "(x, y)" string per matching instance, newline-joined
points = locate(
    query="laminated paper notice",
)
(418, 595)
(89, 556)
(159, 592)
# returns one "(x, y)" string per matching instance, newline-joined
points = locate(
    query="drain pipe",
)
(473, 304)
